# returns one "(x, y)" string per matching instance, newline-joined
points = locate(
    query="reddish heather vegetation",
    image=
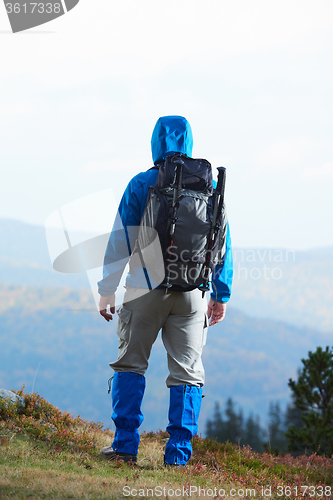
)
(212, 463)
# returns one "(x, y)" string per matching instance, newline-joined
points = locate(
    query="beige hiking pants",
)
(183, 320)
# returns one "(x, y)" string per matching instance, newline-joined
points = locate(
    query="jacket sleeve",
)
(121, 241)
(223, 274)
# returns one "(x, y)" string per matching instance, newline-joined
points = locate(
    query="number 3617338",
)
(33, 8)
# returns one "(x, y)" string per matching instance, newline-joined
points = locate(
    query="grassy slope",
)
(48, 454)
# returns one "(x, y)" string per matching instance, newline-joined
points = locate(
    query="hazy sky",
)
(80, 96)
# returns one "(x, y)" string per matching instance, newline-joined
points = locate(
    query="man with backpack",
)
(177, 307)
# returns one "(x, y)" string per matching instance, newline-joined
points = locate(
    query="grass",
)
(48, 454)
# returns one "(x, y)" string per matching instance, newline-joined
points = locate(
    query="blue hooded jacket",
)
(171, 134)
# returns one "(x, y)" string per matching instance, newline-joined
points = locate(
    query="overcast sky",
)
(80, 96)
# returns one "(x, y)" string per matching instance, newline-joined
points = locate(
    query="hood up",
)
(172, 134)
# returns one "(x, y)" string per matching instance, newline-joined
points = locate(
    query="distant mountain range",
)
(24, 258)
(295, 287)
(53, 340)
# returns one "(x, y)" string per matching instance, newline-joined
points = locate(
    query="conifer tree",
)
(230, 426)
(215, 428)
(292, 416)
(313, 397)
(253, 433)
(277, 442)
(234, 422)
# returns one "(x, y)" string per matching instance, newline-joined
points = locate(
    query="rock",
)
(14, 398)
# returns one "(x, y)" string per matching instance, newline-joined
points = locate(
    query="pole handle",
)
(221, 180)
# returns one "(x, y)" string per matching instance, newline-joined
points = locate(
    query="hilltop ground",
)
(48, 454)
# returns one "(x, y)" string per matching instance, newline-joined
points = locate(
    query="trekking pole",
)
(218, 204)
(175, 203)
(176, 195)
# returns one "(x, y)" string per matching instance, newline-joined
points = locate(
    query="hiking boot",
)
(111, 454)
(166, 464)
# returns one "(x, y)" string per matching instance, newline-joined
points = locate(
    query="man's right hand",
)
(104, 302)
(216, 311)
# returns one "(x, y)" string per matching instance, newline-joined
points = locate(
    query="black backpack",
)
(190, 219)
